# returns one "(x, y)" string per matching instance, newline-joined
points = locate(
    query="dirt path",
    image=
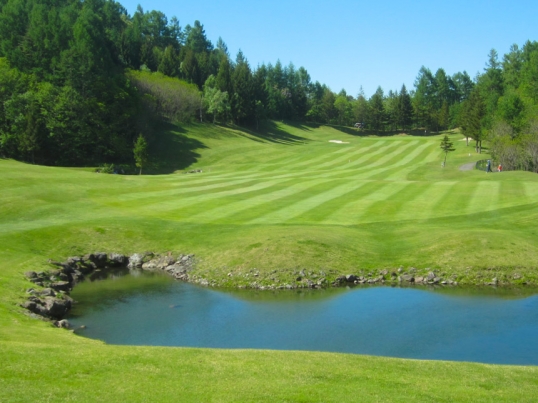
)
(468, 167)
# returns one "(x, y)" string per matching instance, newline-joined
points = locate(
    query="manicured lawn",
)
(278, 202)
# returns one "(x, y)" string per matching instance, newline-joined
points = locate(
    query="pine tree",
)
(446, 146)
(140, 152)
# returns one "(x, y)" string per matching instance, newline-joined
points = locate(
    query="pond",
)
(475, 324)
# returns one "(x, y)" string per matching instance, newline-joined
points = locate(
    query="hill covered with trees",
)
(80, 81)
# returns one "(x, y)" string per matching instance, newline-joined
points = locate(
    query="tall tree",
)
(473, 114)
(140, 152)
(377, 110)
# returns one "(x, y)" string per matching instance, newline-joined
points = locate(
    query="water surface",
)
(482, 325)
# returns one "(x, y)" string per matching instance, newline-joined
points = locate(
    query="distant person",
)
(500, 168)
(488, 166)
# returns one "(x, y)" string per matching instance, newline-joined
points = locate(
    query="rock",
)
(165, 262)
(407, 277)
(419, 279)
(384, 272)
(60, 286)
(35, 307)
(30, 274)
(100, 259)
(117, 259)
(57, 308)
(89, 257)
(73, 260)
(350, 278)
(135, 261)
(436, 280)
(64, 324)
(46, 292)
(431, 275)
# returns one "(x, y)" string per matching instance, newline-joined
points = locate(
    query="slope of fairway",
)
(278, 202)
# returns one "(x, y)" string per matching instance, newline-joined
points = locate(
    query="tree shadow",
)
(171, 149)
(385, 133)
(269, 131)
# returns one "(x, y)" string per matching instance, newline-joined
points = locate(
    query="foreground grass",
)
(276, 202)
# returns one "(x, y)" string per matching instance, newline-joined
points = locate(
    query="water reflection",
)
(452, 324)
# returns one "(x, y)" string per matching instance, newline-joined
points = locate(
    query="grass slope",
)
(277, 201)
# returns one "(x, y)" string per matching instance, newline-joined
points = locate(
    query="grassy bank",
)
(274, 204)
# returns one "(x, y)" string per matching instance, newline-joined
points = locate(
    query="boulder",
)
(34, 307)
(57, 308)
(407, 277)
(60, 286)
(99, 258)
(117, 259)
(431, 275)
(64, 324)
(350, 278)
(46, 292)
(135, 261)
(30, 274)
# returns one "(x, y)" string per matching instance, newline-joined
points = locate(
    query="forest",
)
(81, 81)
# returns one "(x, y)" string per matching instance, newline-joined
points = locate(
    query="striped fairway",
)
(375, 189)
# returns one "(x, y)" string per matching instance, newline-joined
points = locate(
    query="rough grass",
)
(276, 201)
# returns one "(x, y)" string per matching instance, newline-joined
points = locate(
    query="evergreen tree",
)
(140, 152)
(405, 109)
(472, 115)
(377, 110)
(446, 146)
(242, 102)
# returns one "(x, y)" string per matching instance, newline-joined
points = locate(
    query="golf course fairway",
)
(288, 199)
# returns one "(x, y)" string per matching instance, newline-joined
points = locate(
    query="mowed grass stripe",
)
(354, 210)
(395, 169)
(322, 206)
(322, 157)
(371, 155)
(390, 155)
(420, 156)
(484, 198)
(357, 150)
(182, 188)
(389, 162)
(174, 204)
(417, 202)
(513, 193)
(259, 201)
(303, 206)
(404, 206)
(456, 199)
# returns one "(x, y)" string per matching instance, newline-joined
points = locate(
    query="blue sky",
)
(348, 44)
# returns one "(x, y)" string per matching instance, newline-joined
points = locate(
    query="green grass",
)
(278, 201)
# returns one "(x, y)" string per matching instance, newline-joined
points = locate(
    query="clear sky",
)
(348, 44)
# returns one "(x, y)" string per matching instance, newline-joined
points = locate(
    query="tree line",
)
(81, 80)
(502, 108)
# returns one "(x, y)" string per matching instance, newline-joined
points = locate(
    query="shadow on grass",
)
(386, 133)
(171, 150)
(270, 131)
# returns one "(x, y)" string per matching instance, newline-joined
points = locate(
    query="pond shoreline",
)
(51, 301)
